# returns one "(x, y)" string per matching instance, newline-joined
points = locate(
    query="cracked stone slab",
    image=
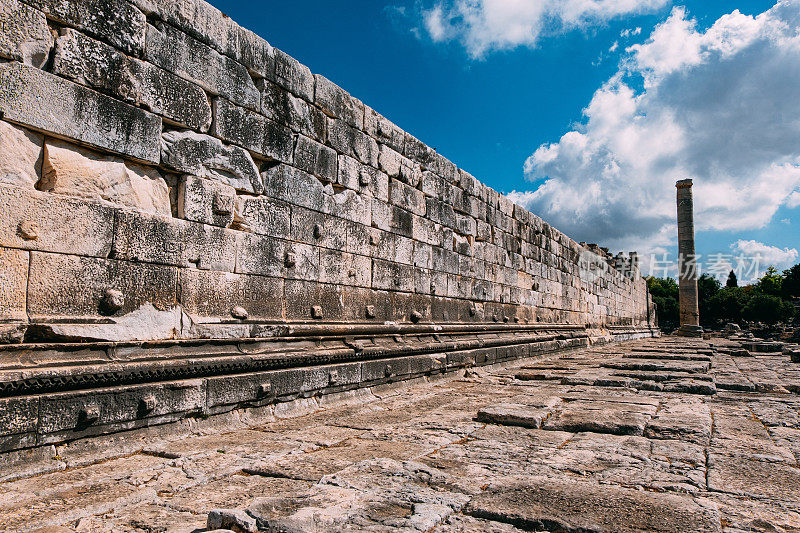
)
(600, 417)
(513, 415)
(575, 506)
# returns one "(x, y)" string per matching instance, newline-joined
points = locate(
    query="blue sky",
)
(493, 84)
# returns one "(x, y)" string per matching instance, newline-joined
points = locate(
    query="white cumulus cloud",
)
(718, 106)
(485, 25)
(766, 255)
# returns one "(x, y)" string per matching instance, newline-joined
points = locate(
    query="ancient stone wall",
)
(168, 178)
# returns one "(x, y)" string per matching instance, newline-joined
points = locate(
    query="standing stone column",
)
(687, 265)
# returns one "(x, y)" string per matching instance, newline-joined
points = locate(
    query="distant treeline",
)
(771, 300)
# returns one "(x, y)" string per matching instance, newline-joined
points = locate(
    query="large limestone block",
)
(73, 171)
(245, 128)
(316, 159)
(294, 76)
(281, 106)
(20, 156)
(362, 178)
(101, 67)
(115, 21)
(13, 284)
(25, 35)
(210, 296)
(170, 241)
(348, 140)
(337, 103)
(265, 216)
(192, 60)
(206, 201)
(294, 186)
(68, 286)
(383, 130)
(206, 157)
(33, 220)
(34, 98)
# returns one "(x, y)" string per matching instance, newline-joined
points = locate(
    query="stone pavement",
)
(652, 435)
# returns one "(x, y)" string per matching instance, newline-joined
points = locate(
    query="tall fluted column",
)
(687, 265)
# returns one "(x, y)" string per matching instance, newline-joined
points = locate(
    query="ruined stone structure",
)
(193, 222)
(687, 264)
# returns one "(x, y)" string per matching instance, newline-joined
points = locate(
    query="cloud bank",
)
(718, 106)
(486, 25)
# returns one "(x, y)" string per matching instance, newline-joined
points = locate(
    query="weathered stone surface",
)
(294, 186)
(33, 220)
(101, 67)
(337, 103)
(72, 286)
(45, 102)
(293, 76)
(362, 178)
(169, 241)
(192, 60)
(206, 157)
(569, 505)
(349, 205)
(315, 158)
(206, 201)
(383, 130)
(13, 284)
(208, 295)
(25, 35)
(72, 171)
(115, 21)
(253, 131)
(283, 107)
(407, 197)
(265, 216)
(20, 156)
(398, 167)
(617, 419)
(348, 140)
(232, 519)
(513, 415)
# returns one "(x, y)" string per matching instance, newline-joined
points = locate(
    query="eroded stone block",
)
(68, 286)
(337, 103)
(383, 130)
(101, 67)
(206, 157)
(258, 134)
(265, 216)
(348, 140)
(294, 186)
(349, 205)
(316, 159)
(13, 284)
(33, 220)
(281, 106)
(209, 296)
(206, 201)
(25, 35)
(407, 197)
(342, 268)
(72, 171)
(362, 178)
(20, 156)
(115, 21)
(192, 60)
(294, 76)
(46, 102)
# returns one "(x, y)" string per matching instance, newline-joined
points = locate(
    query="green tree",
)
(707, 287)
(733, 281)
(770, 283)
(790, 288)
(665, 296)
(728, 304)
(768, 309)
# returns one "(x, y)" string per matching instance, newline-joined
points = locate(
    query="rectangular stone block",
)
(392, 276)
(13, 284)
(283, 107)
(48, 103)
(194, 61)
(68, 286)
(319, 229)
(391, 247)
(116, 22)
(24, 34)
(337, 103)
(209, 295)
(262, 255)
(399, 167)
(308, 300)
(349, 205)
(348, 140)
(103, 68)
(32, 220)
(316, 159)
(294, 186)
(383, 130)
(362, 178)
(406, 197)
(293, 76)
(342, 268)
(168, 241)
(252, 131)
(18, 420)
(206, 201)
(63, 412)
(265, 216)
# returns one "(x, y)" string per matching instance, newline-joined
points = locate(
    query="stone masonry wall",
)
(167, 176)
(166, 169)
